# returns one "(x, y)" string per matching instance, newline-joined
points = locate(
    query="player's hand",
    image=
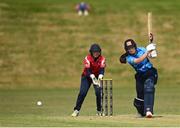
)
(100, 77)
(152, 54)
(94, 80)
(151, 37)
(151, 47)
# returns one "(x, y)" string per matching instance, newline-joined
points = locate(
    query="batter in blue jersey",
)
(142, 66)
(146, 75)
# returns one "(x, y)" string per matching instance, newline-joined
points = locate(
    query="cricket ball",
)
(39, 103)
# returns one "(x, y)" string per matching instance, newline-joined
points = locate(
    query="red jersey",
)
(94, 66)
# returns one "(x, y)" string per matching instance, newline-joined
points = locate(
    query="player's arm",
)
(102, 68)
(101, 71)
(147, 53)
(77, 7)
(140, 59)
(89, 72)
(87, 66)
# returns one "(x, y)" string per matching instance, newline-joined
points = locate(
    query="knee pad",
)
(139, 104)
(149, 86)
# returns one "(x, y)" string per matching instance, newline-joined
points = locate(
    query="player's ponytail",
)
(122, 58)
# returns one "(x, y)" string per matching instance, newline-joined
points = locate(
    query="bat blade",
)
(149, 25)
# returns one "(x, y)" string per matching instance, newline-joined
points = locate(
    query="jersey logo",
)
(86, 62)
(103, 64)
(129, 43)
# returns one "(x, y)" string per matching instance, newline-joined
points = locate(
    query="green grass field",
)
(18, 108)
(43, 43)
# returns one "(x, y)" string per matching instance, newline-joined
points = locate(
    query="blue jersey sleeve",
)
(101, 71)
(143, 49)
(88, 72)
(130, 60)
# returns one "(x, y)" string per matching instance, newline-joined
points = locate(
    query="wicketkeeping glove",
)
(94, 80)
(100, 77)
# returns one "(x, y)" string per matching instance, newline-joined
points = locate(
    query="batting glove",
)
(152, 54)
(151, 47)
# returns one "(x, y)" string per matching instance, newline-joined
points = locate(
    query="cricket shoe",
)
(98, 113)
(75, 113)
(148, 114)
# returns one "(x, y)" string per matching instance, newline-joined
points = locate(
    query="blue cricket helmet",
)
(95, 48)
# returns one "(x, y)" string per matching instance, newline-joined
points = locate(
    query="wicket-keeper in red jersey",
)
(94, 67)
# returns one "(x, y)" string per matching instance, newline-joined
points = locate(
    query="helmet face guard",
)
(95, 48)
(129, 44)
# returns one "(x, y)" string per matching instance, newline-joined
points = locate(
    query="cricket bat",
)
(149, 25)
(150, 36)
